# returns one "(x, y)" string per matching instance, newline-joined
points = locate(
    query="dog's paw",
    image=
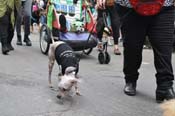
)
(78, 93)
(50, 86)
(59, 96)
(60, 74)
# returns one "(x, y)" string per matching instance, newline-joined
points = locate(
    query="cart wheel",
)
(45, 38)
(87, 51)
(101, 58)
(107, 58)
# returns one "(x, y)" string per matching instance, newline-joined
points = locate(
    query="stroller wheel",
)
(87, 51)
(101, 58)
(107, 58)
(45, 39)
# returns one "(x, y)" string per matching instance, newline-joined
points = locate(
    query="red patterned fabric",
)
(147, 7)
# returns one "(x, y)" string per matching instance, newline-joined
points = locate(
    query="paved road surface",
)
(24, 88)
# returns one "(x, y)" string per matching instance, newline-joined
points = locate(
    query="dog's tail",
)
(168, 108)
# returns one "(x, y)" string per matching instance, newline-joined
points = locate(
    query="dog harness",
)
(65, 57)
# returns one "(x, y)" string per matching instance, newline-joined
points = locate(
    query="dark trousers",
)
(159, 29)
(25, 17)
(6, 29)
(111, 11)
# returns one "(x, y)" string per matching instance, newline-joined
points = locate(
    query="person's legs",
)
(27, 30)
(18, 26)
(100, 27)
(161, 38)
(120, 39)
(10, 36)
(4, 23)
(133, 31)
(27, 14)
(31, 25)
(115, 23)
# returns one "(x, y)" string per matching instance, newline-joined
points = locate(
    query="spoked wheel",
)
(45, 38)
(87, 51)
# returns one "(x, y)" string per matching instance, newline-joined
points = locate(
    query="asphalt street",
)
(24, 87)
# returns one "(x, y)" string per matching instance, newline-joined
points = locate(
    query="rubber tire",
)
(46, 39)
(107, 58)
(101, 58)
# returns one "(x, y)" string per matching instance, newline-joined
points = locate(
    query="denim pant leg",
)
(27, 14)
(19, 21)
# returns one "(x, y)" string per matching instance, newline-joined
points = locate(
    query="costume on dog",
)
(65, 57)
(63, 54)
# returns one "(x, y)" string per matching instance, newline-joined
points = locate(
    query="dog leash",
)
(90, 33)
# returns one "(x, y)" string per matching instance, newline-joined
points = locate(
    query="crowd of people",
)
(14, 13)
(135, 23)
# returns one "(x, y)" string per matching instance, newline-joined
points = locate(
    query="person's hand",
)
(101, 4)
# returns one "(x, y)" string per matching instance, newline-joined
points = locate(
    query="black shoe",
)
(10, 47)
(27, 41)
(162, 95)
(5, 49)
(19, 41)
(130, 88)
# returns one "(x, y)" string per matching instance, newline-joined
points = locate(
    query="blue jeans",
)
(24, 14)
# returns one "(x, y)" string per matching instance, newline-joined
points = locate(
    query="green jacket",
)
(9, 4)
